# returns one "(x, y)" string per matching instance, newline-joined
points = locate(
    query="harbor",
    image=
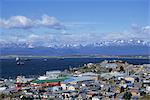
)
(74, 49)
(37, 66)
(113, 79)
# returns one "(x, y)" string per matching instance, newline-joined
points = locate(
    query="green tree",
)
(127, 95)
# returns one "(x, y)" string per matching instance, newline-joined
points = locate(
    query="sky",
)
(47, 22)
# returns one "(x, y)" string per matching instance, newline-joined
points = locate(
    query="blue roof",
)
(78, 79)
(68, 80)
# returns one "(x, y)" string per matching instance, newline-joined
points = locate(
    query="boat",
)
(20, 63)
(27, 59)
(17, 59)
(45, 59)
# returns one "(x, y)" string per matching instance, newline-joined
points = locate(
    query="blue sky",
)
(80, 18)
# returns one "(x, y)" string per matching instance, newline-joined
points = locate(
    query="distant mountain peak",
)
(77, 45)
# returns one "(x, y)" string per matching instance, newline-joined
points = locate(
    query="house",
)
(90, 74)
(97, 98)
(63, 85)
(109, 65)
(66, 95)
(72, 87)
(2, 89)
(110, 75)
(89, 65)
(116, 89)
(91, 94)
(129, 79)
(22, 79)
(56, 88)
(109, 94)
(43, 77)
(135, 91)
(82, 96)
(148, 89)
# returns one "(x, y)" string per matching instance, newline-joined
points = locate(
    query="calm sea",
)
(9, 68)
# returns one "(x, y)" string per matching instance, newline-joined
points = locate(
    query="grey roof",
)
(109, 75)
(109, 65)
(89, 74)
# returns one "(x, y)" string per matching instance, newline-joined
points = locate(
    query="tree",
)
(121, 68)
(2, 96)
(110, 69)
(127, 95)
(122, 89)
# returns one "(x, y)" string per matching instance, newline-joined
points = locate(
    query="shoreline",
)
(78, 56)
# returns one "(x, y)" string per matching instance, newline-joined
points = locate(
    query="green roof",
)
(49, 80)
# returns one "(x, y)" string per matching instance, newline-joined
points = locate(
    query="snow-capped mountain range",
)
(112, 47)
(131, 42)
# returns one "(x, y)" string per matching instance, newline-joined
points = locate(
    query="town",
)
(108, 80)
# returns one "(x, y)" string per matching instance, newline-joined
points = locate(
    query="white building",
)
(53, 74)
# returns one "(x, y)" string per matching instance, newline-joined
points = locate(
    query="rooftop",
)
(49, 80)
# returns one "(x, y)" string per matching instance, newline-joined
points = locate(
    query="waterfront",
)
(74, 50)
(9, 68)
(105, 80)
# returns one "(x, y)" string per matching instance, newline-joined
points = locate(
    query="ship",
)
(45, 60)
(17, 59)
(20, 63)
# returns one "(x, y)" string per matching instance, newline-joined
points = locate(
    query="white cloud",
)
(136, 32)
(22, 22)
(16, 22)
(146, 29)
(33, 36)
(41, 38)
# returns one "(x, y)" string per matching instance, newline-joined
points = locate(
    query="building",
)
(53, 74)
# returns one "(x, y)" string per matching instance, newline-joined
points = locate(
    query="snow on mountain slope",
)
(97, 44)
(113, 47)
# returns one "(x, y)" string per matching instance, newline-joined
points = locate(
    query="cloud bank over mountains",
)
(61, 33)
(136, 32)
